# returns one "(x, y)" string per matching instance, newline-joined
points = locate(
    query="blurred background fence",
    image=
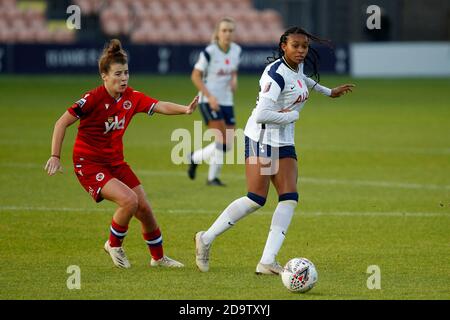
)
(165, 36)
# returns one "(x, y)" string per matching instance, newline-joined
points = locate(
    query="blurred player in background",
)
(105, 113)
(215, 76)
(269, 147)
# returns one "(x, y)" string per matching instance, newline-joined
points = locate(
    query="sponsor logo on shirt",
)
(302, 97)
(100, 176)
(114, 124)
(222, 72)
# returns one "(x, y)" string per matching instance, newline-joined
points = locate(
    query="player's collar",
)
(220, 48)
(119, 98)
(287, 64)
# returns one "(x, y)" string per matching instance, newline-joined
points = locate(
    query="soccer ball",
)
(299, 275)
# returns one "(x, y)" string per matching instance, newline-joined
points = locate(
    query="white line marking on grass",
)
(210, 211)
(303, 179)
(322, 181)
(49, 209)
(398, 150)
(368, 183)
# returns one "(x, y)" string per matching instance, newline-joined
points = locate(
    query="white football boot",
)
(118, 256)
(201, 252)
(165, 261)
(272, 269)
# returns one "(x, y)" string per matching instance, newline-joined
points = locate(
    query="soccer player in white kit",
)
(269, 138)
(215, 76)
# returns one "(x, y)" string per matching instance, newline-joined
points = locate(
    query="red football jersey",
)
(103, 121)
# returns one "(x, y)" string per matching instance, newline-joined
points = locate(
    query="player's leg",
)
(127, 201)
(204, 154)
(285, 182)
(217, 157)
(257, 186)
(151, 232)
(224, 143)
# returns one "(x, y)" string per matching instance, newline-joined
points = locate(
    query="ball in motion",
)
(299, 275)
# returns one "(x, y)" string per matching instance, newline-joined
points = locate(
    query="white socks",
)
(213, 154)
(203, 154)
(215, 163)
(280, 223)
(233, 213)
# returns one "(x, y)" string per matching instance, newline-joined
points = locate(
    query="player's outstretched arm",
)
(341, 90)
(170, 108)
(54, 164)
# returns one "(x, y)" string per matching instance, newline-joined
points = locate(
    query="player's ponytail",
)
(112, 53)
(311, 60)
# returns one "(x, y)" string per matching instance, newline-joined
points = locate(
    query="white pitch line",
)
(367, 183)
(217, 212)
(303, 179)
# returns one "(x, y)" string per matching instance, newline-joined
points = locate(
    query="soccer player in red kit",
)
(105, 113)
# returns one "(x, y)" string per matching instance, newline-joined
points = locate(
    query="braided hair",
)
(311, 60)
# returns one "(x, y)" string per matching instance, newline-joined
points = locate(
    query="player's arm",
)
(341, 90)
(59, 131)
(332, 93)
(197, 80)
(267, 112)
(170, 108)
(234, 81)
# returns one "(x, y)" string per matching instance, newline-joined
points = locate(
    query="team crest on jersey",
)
(267, 87)
(127, 104)
(100, 176)
(106, 106)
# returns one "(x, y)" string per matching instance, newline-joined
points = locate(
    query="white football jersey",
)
(217, 67)
(288, 89)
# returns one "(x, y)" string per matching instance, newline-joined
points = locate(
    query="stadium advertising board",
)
(27, 58)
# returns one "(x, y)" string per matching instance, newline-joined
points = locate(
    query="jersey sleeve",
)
(238, 54)
(83, 106)
(310, 83)
(145, 104)
(271, 86)
(203, 61)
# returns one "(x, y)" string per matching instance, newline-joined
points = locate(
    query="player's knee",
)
(144, 209)
(290, 196)
(130, 202)
(260, 200)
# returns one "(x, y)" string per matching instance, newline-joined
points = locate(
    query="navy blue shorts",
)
(257, 149)
(226, 113)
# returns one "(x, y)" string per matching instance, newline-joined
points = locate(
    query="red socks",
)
(117, 234)
(154, 242)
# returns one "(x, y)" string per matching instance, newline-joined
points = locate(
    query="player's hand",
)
(213, 103)
(53, 164)
(192, 106)
(341, 90)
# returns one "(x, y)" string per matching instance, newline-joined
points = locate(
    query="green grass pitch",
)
(374, 186)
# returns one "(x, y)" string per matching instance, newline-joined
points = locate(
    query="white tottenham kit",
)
(281, 88)
(217, 67)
